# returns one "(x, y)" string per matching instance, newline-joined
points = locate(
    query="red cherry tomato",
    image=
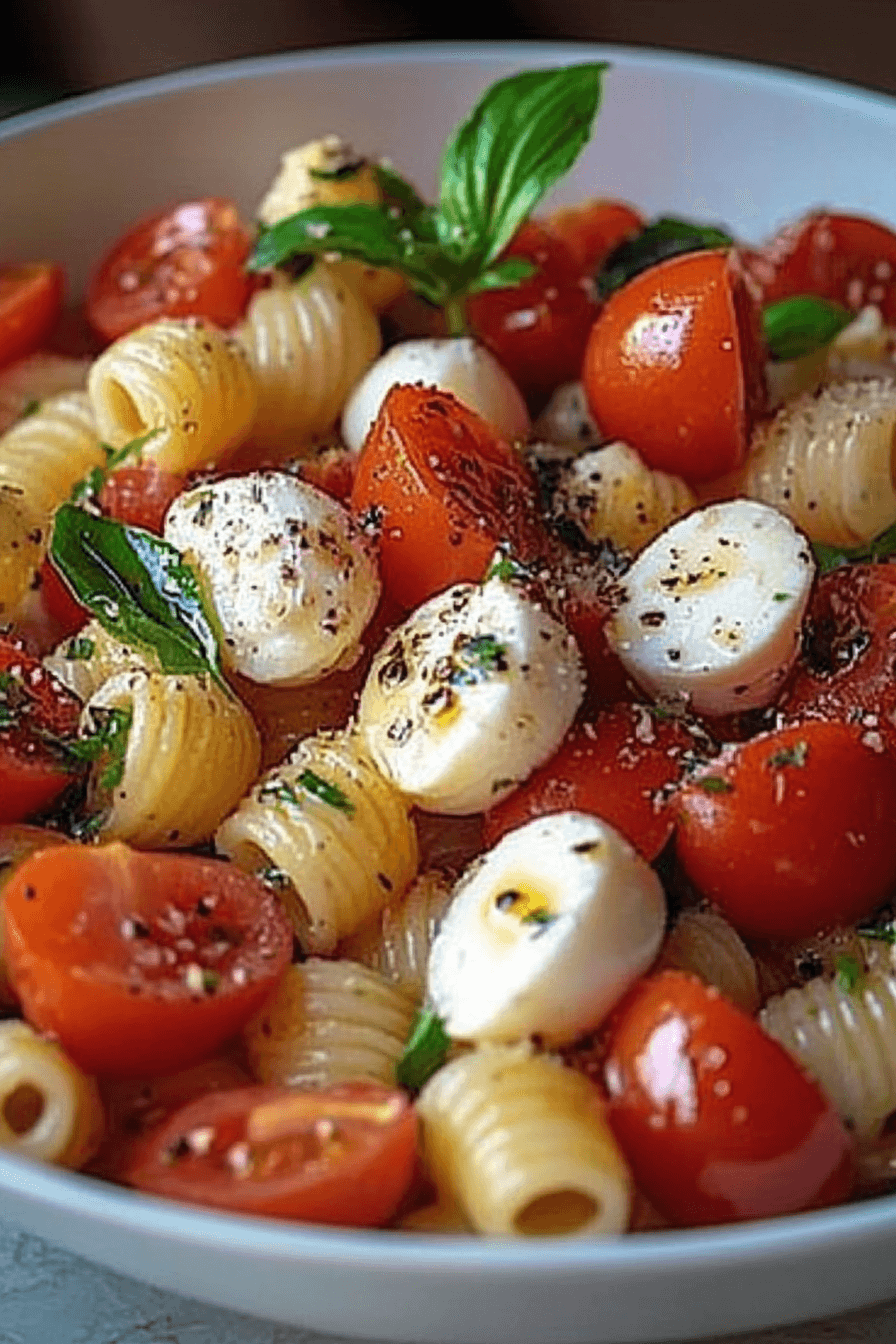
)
(587, 596)
(58, 601)
(539, 328)
(140, 963)
(716, 1120)
(674, 365)
(331, 470)
(847, 668)
(618, 767)
(141, 496)
(343, 1155)
(37, 715)
(593, 229)
(792, 832)
(846, 258)
(30, 302)
(185, 261)
(445, 491)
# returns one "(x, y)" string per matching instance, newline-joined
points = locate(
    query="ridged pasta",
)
(338, 834)
(328, 1022)
(308, 344)
(846, 1038)
(328, 172)
(49, 1109)
(191, 753)
(182, 377)
(612, 495)
(520, 1143)
(28, 382)
(397, 942)
(704, 943)
(828, 460)
(22, 544)
(86, 661)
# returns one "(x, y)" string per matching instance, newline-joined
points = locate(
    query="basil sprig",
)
(802, 324)
(879, 548)
(139, 588)
(520, 138)
(662, 239)
(426, 1050)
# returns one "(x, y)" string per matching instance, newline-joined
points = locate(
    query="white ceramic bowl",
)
(746, 146)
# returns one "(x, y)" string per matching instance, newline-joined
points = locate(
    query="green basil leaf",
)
(109, 743)
(139, 588)
(521, 137)
(397, 191)
(503, 275)
(832, 557)
(665, 237)
(425, 1052)
(802, 324)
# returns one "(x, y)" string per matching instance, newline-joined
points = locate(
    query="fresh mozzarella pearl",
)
(459, 365)
(713, 608)
(469, 696)
(545, 933)
(289, 575)
(567, 419)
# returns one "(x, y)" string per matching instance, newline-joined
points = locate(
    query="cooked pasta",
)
(49, 1109)
(22, 542)
(28, 382)
(308, 344)
(87, 660)
(612, 495)
(328, 1022)
(703, 942)
(185, 754)
(183, 378)
(328, 172)
(397, 942)
(519, 1141)
(335, 831)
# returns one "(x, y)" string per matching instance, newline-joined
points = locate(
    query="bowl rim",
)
(737, 1244)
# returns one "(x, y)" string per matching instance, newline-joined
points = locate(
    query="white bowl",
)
(727, 142)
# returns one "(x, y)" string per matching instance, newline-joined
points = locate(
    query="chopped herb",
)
(210, 981)
(88, 490)
(29, 408)
(538, 916)
(662, 239)
(275, 877)
(79, 649)
(848, 973)
(341, 174)
(278, 791)
(796, 755)
(326, 792)
(800, 325)
(782, 597)
(832, 557)
(86, 828)
(884, 932)
(714, 784)
(108, 743)
(425, 1051)
(476, 658)
(506, 568)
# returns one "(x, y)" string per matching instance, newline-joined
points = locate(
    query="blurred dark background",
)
(54, 47)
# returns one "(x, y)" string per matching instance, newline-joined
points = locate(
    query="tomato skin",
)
(593, 229)
(846, 258)
(445, 490)
(32, 774)
(58, 601)
(184, 261)
(675, 365)
(30, 302)
(538, 329)
(141, 496)
(798, 834)
(716, 1120)
(90, 933)
(327, 1166)
(614, 767)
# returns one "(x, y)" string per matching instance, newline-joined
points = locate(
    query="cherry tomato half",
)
(141, 496)
(30, 302)
(342, 1155)
(675, 365)
(186, 261)
(593, 229)
(64, 609)
(445, 491)
(716, 1120)
(37, 715)
(792, 832)
(140, 963)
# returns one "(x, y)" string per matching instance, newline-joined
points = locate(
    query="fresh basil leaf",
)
(665, 237)
(351, 168)
(832, 557)
(848, 973)
(802, 324)
(139, 588)
(397, 191)
(425, 1052)
(503, 275)
(108, 743)
(361, 231)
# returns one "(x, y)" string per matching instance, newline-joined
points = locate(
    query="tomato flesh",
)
(140, 963)
(30, 302)
(344, 1155)
(716, 1120)
(37, 714)
(593, 229)
(141, 496)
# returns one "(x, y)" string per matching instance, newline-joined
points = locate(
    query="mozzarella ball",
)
(289, 575)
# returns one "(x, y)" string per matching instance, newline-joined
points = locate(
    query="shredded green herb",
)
(848, 973)
(797, 755)
(79, 649)
(477, 658)
(107, 744)
(714, 784)
(425, 1052)
(326, 792)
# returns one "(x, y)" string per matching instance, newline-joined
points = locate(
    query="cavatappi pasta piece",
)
(28, 382)
(469, 696)
(329, 172)
(22, 547)
(397, 942)
(703, 942)
(49, 1109)
(828, 460)
(88, 659)
(184, 378)
(291, 577)
(185, 754)
(328, 1022)
(337, 835)
(520, 1143)
(612, 495)
(308, 344)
